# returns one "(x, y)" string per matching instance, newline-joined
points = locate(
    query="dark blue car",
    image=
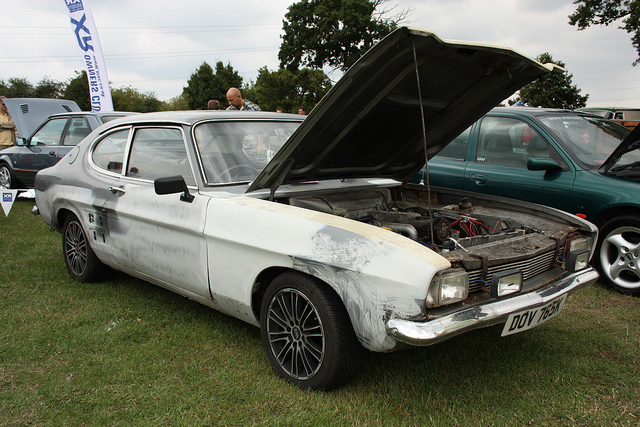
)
(47, 137)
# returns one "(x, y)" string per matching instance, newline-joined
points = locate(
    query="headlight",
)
(577, 260)
(581, 242)
(578, 252)
(448, 287)
(506, 283)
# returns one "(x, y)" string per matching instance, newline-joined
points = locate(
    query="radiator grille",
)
(529, 267)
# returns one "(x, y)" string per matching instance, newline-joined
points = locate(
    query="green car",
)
(573, 161)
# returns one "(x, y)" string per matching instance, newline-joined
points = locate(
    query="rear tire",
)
(6, 178)
(82, 263)
(618, 254)
(307, 333)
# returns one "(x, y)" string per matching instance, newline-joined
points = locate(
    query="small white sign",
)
(8, 197)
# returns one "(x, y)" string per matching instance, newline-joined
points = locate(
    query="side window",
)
(457, 149)
(50, 133)
(158, 153)
(78, 129)
(108, 154)
(504, 141)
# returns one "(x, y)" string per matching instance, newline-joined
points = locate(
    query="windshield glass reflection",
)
(589, 140)
(233, 152)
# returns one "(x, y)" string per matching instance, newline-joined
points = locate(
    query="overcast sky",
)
(155, 45)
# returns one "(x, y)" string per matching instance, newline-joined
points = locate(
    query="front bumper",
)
(434, 331)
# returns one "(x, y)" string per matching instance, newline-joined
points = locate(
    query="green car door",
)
(511, 158)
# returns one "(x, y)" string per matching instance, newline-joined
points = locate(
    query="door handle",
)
(479, 179)
(116, 190)
(52, 153)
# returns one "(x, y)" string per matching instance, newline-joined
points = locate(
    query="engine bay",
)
(442, 226)
(473, 233)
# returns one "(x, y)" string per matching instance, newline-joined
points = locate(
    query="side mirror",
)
(21, 142)
(172, 185)
(543, 164)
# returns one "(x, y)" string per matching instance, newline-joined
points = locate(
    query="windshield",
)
(589, 140)
(236, 151)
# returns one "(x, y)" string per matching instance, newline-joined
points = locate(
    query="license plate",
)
(523, 320)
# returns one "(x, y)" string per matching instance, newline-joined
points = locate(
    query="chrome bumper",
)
(480, 316)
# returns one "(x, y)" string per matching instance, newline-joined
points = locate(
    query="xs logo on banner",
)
(8, 197)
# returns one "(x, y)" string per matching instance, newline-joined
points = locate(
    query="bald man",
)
(237, 103)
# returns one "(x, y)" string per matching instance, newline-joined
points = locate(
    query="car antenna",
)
(424, 137)
(561, 99)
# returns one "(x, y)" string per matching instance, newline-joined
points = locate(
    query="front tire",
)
(618, 254)
(82, 263)
(307, 333)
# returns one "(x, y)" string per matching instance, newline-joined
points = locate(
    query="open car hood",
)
(630, 143)
(369, 125)
(29, 113)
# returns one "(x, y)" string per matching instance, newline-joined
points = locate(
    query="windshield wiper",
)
(623, 167)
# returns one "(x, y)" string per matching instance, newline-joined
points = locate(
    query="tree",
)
(334, 33)
(605, 12)
(130, 99)
(17, 87)
(48, 88)
(204, 85)
(175, 104)
(552, 90)
(288, 90)
(78, 90)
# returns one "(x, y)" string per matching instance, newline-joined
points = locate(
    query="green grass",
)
(124, 352)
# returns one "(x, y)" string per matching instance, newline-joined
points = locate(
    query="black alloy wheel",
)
(81, 261)
(307, 333)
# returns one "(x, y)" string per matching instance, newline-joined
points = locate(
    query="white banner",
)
(86, 34)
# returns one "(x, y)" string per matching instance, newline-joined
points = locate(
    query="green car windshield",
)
(589, 140)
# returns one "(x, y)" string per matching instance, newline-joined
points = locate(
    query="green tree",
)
(288, 90)
(17, 87)
(605, 12)
(553, 90)
(48, 88)
(130, 99)
(78, 90)
(334, 33)
(204, 85)
(175, 104)
(249, 91)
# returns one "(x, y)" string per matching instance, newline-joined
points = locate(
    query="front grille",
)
(529, 267)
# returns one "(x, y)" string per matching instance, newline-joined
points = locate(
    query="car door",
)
(157, 236)
(502, 148)
(41, 151)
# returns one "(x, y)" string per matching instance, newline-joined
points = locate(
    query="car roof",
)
(93, 113)
(533, 111)
(191, 117)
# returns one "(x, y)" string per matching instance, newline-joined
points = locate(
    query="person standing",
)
(7, 127)
(237, 103)
(213, 104)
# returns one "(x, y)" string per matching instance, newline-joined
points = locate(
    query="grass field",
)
(124, 352)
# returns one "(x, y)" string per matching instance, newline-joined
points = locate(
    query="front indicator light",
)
(448, 287)
(506, 283)
(577, 260)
